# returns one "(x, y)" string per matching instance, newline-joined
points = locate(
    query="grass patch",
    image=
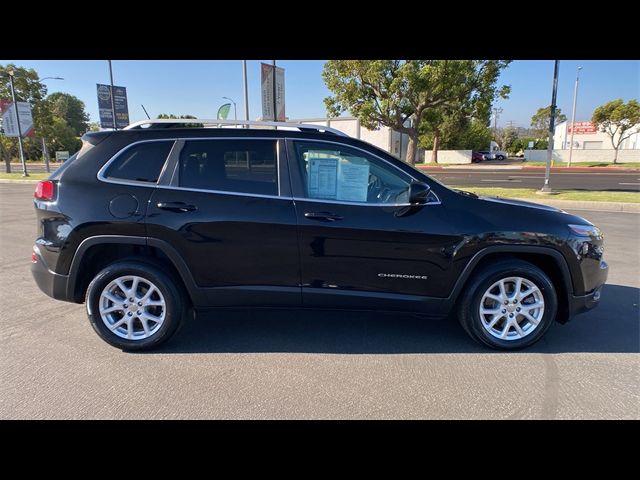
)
(18, 176)
(635, 166)
(601, 196)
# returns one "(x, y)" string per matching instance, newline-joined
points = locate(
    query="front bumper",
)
(583, 303)
(51, 283)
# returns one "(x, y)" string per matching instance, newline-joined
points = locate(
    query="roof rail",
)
(215, 123)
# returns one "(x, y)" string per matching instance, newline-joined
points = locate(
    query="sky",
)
(196, 87)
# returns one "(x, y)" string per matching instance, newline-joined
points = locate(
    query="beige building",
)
(588, 137)
(385, 138)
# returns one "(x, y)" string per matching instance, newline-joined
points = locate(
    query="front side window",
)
(243, 166)
(339, 173)
(141, 163)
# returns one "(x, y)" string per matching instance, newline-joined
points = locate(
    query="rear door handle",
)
(179, 207)
(323, 216)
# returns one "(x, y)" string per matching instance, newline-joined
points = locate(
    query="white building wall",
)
(604, 155)
(588, 141)
(458, 157)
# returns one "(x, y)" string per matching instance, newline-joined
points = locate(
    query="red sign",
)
(583, 128)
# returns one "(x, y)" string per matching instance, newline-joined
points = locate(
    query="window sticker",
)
(333, 177)
(353, 180)
(323, 177)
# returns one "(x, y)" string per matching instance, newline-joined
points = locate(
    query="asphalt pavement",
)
(562, 180)
(313, 365)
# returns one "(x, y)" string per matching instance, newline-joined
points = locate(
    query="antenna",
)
(145, 111)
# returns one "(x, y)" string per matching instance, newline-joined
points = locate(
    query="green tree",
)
(171, 115)
(473, 134)
(540, 121)
(71, 109)
(506, 137)
(400, 93)
(28, 88)
(94, 126)
(618, 120)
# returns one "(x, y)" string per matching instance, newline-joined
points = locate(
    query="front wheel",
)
(500, 157)
(134, 306)
(508, 305)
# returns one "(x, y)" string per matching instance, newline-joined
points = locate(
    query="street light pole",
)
(573, 113)
(275, 103)
(235, 112)
(113, 102)
(546, 188)
(246, 90)
(15, 106)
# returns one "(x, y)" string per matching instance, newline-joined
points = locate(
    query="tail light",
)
(45, 190)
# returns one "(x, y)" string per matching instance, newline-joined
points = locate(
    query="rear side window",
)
(243, 166)
(141, 163)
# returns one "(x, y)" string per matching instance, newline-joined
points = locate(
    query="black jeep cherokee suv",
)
(147, 224)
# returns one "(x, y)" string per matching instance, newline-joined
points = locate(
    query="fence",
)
(604, 155)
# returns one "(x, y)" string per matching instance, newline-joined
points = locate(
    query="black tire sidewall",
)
(172, 296)
(471, 317)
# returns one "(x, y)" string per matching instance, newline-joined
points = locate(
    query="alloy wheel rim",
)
(132, 307)
(511, 308)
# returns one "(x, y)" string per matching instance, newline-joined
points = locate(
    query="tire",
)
(500, 157)
(487, 281)
(166, 304)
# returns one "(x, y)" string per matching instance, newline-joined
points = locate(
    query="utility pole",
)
(246, 91)
(546, 188)
(496, 114)
(15, 106)
(275, 103)
(573, 114)
(113, 102)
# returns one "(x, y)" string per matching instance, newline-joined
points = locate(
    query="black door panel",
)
(376, 246)
(241, 246)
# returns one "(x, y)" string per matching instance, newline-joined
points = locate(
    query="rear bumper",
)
(51, 283)
(583, 303)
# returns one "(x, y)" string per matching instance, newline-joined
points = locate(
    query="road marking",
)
(524, 176)
(629, 184)
(507, 181)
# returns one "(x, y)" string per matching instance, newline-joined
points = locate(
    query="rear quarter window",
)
(140, 163)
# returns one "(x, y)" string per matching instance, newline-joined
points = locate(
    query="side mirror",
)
(418, 193)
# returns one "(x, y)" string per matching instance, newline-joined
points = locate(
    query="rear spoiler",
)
(94, 138)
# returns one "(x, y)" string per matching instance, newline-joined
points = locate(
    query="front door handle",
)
(323, 216)
(179, 207)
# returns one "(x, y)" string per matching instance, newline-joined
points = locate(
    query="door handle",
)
(179, 207)
(323, 216)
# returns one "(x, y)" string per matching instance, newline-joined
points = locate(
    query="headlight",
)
(585, 230)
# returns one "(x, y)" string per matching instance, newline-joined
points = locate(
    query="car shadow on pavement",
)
(613, 327)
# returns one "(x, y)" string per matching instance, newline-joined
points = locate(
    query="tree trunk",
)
(436, 145)
(412, 148)
(6, 155)
(615, 156)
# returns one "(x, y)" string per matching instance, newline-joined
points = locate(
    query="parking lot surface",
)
(272, 364)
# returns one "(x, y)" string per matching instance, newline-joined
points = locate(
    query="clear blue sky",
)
(197, 87)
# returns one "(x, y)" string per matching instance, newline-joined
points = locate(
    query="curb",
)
(586, 205)
(585, 169)
(11, 180)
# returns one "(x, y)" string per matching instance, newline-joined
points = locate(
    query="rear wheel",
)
(134, 306)
(508, 305)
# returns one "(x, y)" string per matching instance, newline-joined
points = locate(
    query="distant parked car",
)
(476, 157)
(486, 155)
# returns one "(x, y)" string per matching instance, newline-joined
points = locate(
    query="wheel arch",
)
(550, 261)
(96, 252)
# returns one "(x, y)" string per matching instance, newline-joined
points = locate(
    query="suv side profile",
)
(146, 225)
